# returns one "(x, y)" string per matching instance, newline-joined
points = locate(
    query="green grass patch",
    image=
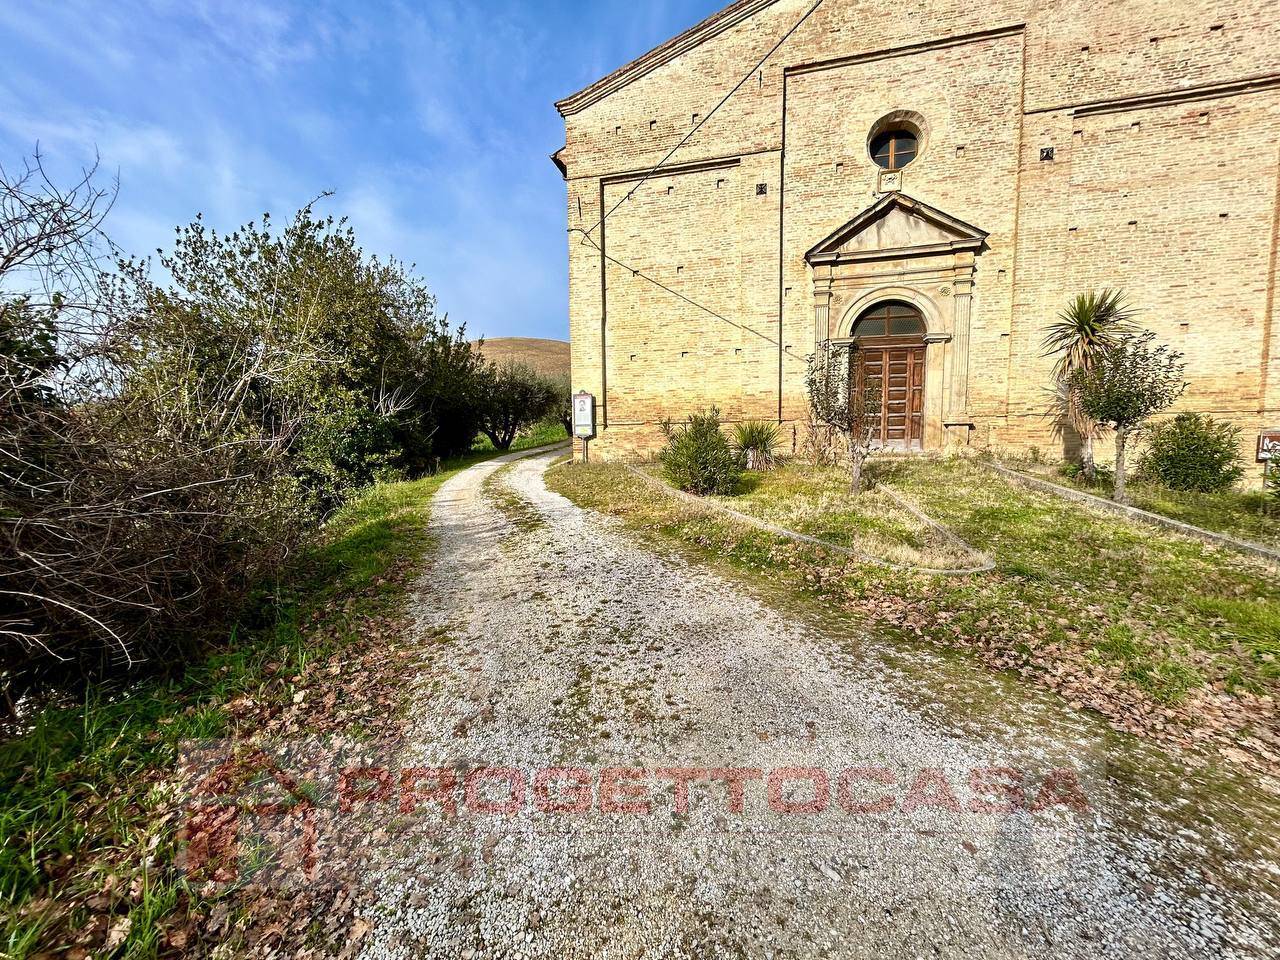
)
(1184, 601)
(1163, 612)
(539, 435)
(78, 786)
(817, 502)
(1235, 513)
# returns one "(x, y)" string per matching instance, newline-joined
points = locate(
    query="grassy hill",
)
(548, 357)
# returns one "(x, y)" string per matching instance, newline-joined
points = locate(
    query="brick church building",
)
(933, 180)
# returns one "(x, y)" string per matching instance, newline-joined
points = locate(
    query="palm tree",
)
(1091, 324)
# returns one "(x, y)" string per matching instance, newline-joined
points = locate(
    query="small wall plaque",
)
(1046, 153)
(890, 181)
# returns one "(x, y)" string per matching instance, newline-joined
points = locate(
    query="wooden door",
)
(900, 369)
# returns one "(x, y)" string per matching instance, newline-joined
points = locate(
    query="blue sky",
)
(431, 119)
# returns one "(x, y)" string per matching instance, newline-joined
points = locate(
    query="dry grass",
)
(816, 501)
(549, 357)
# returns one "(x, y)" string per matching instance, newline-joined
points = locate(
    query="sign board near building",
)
(584, 415)
(1269, 446)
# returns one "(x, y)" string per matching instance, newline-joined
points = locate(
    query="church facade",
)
(932, 182)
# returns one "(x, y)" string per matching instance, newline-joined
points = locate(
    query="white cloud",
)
(431, 119)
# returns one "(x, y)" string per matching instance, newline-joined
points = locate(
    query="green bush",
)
(514, 397)
(1193, 452)
(698, 458)
(756, 442)
(172, 431)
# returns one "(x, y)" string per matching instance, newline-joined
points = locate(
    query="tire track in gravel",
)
(576, 648)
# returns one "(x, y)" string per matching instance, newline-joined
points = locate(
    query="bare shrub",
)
(127, 514)
(165, 445)
(846, 400)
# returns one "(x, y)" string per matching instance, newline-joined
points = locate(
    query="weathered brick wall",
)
(968, 167)
(1164, 119)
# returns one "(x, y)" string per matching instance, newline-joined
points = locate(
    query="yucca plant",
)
(756, 442)
(1090, 325)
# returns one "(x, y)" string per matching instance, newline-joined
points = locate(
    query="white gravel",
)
(573, 646)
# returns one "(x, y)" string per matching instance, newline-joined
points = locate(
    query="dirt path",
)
(575, 648)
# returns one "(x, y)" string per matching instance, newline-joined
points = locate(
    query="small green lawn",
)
(1176, 613)
(82, 789)
(1236, 513)
(816, 501)
(539, 435)
(1074, 592)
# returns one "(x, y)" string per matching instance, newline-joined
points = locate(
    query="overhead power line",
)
(636, 272)
(701, 123)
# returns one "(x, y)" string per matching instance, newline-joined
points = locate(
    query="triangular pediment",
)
(895, 225)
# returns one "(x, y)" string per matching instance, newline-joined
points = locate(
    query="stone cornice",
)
(1164, 98)
(893, 253)
(965, 235)
(906, 50)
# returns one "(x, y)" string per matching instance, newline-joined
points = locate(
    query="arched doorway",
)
(889, 339)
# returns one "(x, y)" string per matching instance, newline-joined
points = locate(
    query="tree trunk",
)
(496, 438)
(1118, 494)
(855, 473)
(1087, 465)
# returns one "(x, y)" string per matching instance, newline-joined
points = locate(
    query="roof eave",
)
(699, 33)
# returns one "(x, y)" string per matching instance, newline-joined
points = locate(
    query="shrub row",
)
(169, 436)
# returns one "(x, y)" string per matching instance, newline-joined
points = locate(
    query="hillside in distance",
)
(548, 357)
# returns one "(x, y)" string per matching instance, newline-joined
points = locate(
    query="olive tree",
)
(1127, 384)
(514, 397)
(844, 398)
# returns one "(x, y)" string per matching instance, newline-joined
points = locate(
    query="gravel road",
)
(871, 823)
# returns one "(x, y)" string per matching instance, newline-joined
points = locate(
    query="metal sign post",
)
(1269, 457)
(584, 420)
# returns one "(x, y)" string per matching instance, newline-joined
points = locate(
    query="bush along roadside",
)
(91, 806)
(175, 430)
(1094, 608)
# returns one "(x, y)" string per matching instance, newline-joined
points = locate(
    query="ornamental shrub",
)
(756, 442)
(1128, 384)
(1193, 452)
(698, 458)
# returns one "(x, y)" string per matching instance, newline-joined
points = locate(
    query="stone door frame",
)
(902, 249)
